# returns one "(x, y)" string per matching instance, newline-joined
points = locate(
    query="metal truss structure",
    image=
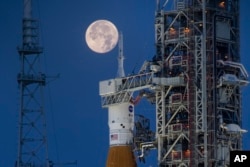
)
(195, 78)
(32, 140)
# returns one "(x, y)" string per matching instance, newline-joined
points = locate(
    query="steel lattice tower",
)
(194, 80)
(32, 140)
(199, 119)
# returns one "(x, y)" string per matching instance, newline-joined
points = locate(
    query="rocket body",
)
(121, 125)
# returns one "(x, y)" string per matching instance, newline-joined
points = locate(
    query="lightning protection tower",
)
(32, 140)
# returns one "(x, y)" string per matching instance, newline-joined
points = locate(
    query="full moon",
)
(101, 36)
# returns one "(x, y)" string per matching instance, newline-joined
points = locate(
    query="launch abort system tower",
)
(194, 80)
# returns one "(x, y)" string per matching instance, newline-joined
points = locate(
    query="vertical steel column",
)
(204, 80)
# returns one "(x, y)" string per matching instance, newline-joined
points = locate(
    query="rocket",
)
(121, 124)
(120, 121)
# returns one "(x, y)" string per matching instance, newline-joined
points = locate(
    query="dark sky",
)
(73, 103)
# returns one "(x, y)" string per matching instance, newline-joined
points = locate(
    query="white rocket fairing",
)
(121, 124)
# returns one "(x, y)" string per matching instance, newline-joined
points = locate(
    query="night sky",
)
(77, 125)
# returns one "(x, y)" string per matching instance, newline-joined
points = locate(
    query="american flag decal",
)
(114, 137)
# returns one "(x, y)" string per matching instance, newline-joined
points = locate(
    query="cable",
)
(48, 85)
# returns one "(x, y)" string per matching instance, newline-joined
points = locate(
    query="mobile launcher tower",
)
(194, 80)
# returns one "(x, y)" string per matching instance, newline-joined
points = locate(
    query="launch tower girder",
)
(196, 78)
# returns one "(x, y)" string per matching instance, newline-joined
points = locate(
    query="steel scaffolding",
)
(196, 78)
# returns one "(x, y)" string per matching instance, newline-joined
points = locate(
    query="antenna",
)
(120, 72)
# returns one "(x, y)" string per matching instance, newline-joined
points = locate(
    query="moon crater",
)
(101, 36)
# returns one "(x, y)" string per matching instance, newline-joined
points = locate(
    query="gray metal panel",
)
(223, 30)
(173, 81)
